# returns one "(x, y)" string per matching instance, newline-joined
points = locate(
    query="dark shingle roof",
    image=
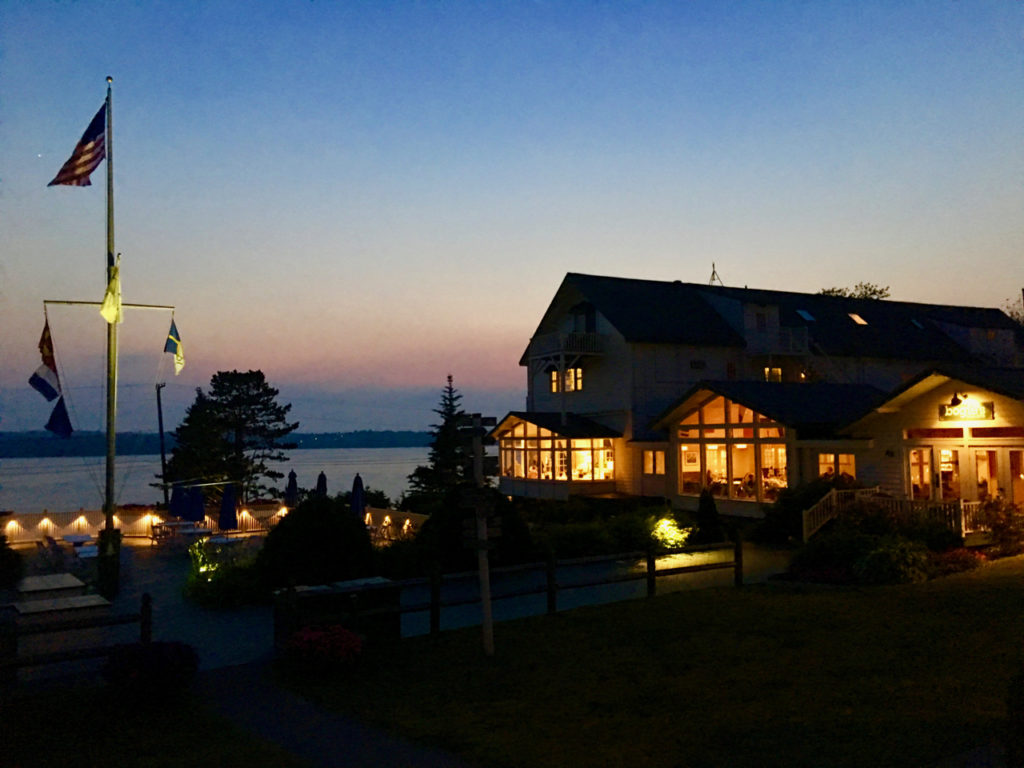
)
(814, 409)
(574, 426)
(653, 311)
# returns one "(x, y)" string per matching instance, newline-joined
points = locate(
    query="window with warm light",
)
(654, 462)
(773, 374)
(570, 381)
(530, 452)
(733, 451)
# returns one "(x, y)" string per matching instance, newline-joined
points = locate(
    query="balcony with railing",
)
(574, 343)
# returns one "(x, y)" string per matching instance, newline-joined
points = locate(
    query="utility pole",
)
(478, 533)
(163, 453)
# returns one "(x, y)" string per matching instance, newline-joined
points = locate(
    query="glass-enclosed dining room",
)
(531, 452)
(733, 451)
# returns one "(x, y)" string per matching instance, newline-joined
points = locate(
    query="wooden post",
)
(8, 646)
(738, 559)
(552, 584)
(652, 573)
(435, 599)
(146, 619)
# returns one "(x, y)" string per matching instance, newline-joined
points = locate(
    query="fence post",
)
(737, 557)
(652, 573)
(8, 645)
(146, 619)
(552, 584)
(435, 599)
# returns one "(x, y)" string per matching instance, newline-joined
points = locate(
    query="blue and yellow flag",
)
(174, 346)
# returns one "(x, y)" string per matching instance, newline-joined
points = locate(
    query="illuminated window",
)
(732, 451)
(549, 457)
(572, 380)
(654, 462)
(858, 319)
(842, 465)
(773, 374)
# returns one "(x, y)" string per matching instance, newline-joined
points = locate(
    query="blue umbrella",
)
(178, 506)
(228, 519)
(358, 500)
(195, 506)
(291, 492)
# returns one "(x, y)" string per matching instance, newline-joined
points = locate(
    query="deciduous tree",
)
(859, 291)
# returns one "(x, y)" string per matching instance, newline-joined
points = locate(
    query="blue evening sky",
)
(359, 198)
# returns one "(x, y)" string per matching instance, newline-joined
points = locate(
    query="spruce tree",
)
(448, 456)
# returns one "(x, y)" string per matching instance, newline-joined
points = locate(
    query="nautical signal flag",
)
(88, 153)
(45, 380)
(111, 307)
(47, 383)
(174, 346)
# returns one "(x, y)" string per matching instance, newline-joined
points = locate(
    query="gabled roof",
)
(814, 409)
(663, 312)
(644, 311)
(575, 426)
(1004, 381)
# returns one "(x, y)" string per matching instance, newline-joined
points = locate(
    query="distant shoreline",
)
(40, 444)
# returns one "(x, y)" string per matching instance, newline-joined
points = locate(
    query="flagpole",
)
(110, 550)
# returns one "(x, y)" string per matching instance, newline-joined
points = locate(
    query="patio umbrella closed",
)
(178, 506)
(291, 491)
(195, 506)
(358, 500)
(321, 484)
(228, 519)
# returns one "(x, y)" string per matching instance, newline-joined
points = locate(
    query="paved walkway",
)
(235, 651)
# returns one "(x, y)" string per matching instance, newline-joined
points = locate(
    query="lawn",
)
(773, 675)
(79, 725)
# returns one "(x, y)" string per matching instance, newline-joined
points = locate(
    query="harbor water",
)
(69, 483)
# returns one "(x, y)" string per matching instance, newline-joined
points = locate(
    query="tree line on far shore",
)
(42, 444)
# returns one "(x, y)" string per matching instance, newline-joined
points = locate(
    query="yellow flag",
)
(111, 309)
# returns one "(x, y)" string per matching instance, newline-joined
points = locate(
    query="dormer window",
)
(858, 319)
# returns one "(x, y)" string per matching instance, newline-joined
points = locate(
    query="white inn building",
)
(662, 389)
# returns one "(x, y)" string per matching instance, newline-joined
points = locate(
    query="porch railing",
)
(829, 506)
(956, 514)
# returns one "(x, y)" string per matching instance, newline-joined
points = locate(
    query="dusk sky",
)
(361, 198)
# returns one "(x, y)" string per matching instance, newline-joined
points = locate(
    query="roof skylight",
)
(858, 319)
(805, 315)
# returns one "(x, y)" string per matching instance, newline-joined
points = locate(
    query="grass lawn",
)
(82, 725)
(774, 675)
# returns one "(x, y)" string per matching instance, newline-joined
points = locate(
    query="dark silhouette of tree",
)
(448, 455)
(231, 433)
(859, 291)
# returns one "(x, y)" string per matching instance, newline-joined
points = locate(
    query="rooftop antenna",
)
(714, 276)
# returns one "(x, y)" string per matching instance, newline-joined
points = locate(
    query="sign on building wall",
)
(967, 410)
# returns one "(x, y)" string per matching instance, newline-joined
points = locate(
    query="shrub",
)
(224, 576)
(317, 647)
(1005, 524)
(569, 540)
(11, 564)
(151, 673)
(953, 561)
(893, 560)
(830, 556)
(709, 524)
(783, 521)
(318, 542)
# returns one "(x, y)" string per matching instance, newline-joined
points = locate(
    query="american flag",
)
(89, 152)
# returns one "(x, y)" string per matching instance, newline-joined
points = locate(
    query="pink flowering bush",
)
(332, 645)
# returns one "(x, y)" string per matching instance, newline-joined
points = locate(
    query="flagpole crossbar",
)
(100, 304)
